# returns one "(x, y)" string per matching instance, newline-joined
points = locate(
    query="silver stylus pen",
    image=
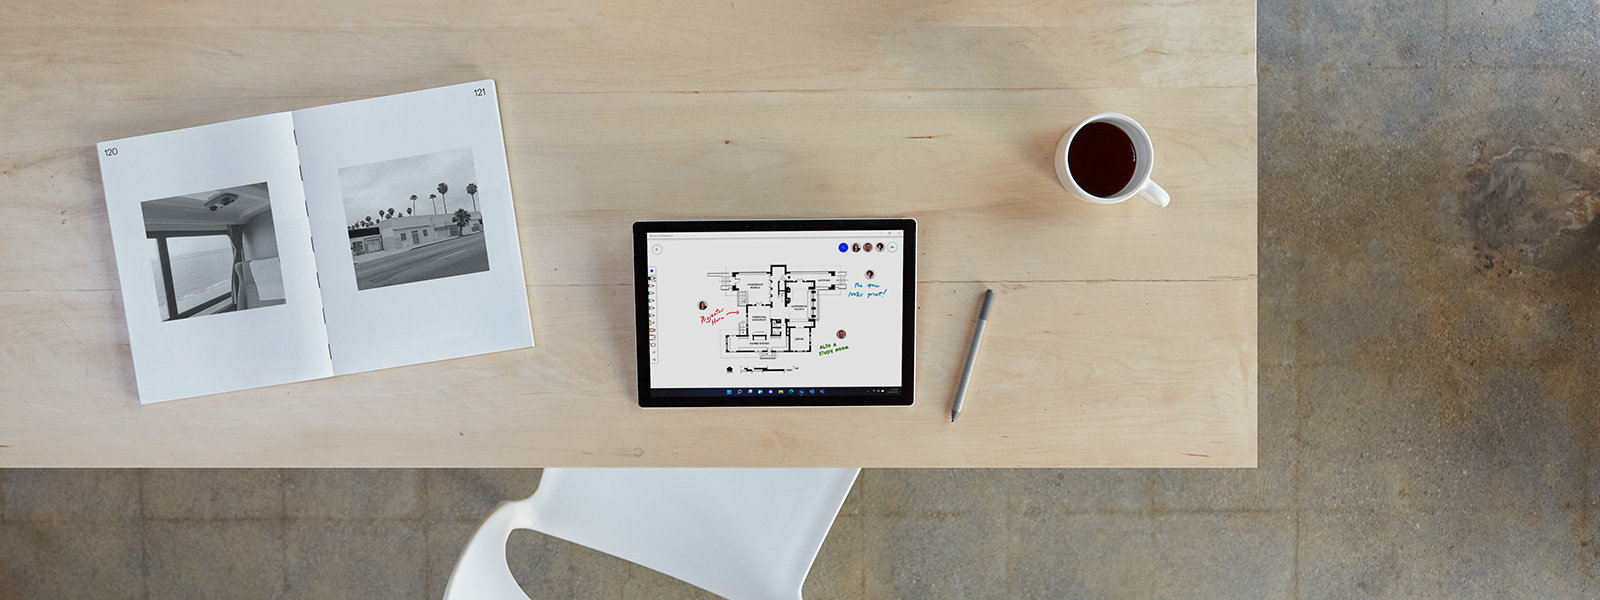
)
(972, 355)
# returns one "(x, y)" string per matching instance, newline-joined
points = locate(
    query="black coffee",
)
(1101, 159)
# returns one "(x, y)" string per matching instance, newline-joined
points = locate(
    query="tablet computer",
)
(814, 312)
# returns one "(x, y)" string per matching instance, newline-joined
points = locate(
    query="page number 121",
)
(480, 92)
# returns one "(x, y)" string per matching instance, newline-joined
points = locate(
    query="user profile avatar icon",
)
(867, 247)
(843, 247)
(880, 246)
(855, 247)
(702, 305)
(840, 334)
(869, 276)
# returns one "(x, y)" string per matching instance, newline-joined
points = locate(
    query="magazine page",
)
(213, 250)
(413, 224)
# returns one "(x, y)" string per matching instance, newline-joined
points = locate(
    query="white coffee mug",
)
(1140, 184)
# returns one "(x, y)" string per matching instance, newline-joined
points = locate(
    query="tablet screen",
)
(775, 317)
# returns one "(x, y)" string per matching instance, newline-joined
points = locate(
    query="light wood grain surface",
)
(1121, 335)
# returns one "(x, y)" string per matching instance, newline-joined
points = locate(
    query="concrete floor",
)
(1430, 172)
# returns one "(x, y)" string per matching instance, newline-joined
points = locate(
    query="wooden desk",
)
(1121, 335)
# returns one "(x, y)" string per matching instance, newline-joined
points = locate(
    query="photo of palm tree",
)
(421, 243)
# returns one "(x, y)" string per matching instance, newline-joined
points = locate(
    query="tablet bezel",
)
(907, 226)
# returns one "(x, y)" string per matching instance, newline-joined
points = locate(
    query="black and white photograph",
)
(213, 252)
(414, 219)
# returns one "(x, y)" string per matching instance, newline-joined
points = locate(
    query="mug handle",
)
(1154, 194)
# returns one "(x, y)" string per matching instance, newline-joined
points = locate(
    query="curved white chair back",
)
(743, 534)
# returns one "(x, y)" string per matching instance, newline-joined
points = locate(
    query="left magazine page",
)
(213, 250)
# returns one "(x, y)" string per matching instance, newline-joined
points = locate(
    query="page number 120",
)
(480, 92)
(111, 151)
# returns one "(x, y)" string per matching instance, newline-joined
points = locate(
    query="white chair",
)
(737, 533)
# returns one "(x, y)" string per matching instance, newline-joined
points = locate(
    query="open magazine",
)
(318, 242)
